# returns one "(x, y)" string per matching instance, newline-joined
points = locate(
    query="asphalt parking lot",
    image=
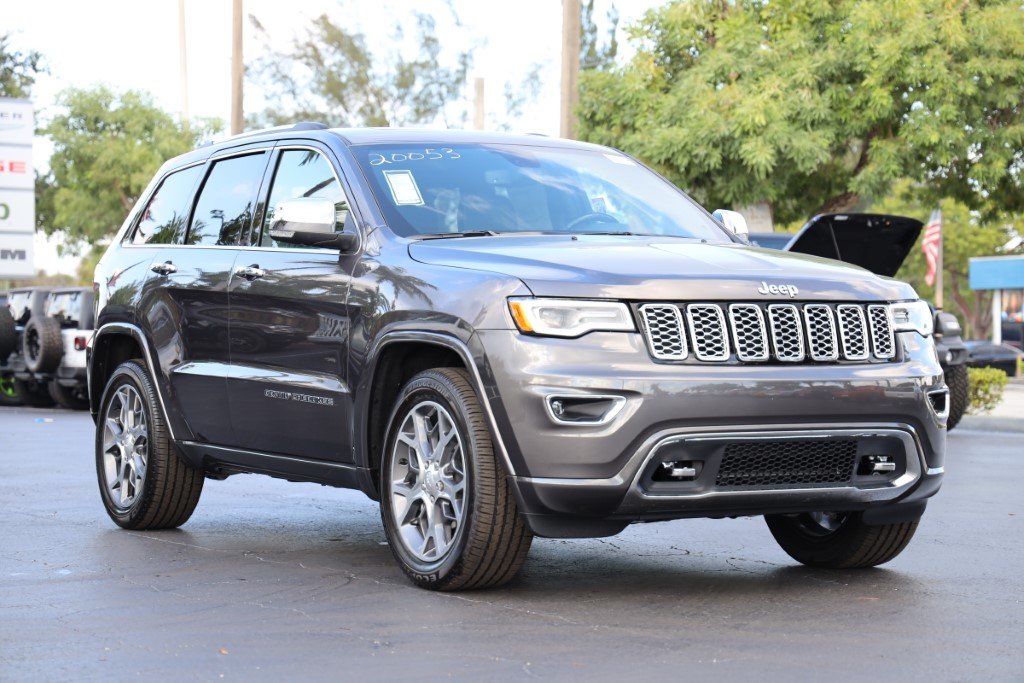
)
(271, 579)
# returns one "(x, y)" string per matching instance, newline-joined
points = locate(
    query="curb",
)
(990, 424)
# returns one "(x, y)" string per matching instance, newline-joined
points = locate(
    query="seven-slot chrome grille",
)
(754, 332)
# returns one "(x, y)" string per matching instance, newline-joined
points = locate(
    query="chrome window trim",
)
(832, 328)
(799, 332)
(764, 332)
(723, 325)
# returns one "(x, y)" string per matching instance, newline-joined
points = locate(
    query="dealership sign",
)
(17, 190)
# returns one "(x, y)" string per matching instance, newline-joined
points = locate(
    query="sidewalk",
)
(1008, 415)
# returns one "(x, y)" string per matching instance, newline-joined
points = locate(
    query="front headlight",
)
(569, 317)
(912, 315)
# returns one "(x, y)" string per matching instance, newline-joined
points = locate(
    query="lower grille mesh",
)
(781, 463)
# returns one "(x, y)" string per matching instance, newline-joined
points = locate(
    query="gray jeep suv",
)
(499, 337)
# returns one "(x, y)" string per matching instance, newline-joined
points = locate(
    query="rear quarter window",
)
(164, 219)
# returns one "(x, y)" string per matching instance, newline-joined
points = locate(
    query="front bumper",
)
(578, 480)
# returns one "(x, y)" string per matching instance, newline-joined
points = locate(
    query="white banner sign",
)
(17, 190)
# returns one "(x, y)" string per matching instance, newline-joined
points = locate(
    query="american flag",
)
(931, 244)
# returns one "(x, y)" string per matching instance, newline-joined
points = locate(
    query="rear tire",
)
(449, 513)
(143, 483)
(839, 540)
(72, 398)
(956, 380)
(42, 345)
(33, 394)
(8, 334)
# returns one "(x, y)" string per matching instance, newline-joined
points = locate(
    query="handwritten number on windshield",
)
(429, 153)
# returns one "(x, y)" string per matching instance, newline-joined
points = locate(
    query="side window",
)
(227, 201)
(302, 173)
(165, 216)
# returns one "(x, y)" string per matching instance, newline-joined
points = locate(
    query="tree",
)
(332, 75)
(18, 70)
(593, 53)
(106, 148)
(819, 105)
(965, 234)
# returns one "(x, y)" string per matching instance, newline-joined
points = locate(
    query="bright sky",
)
(134, 44)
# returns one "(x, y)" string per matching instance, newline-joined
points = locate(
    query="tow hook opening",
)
(583, 410)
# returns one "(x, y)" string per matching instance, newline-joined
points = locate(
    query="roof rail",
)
(300, 126)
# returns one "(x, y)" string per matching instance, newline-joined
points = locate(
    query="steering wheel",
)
(592, 217)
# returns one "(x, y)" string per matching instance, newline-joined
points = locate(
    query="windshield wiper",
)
(449, 235)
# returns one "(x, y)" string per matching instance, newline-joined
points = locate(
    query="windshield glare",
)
(443, 189)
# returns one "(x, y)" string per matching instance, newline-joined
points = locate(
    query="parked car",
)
(1013, 334)
(44, 336)
(498, 337)
(880, 243)
(985, 354)
(22, 305)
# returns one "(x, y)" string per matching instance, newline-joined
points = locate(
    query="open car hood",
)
(877, 242)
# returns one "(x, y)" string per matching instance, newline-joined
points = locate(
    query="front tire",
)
(143, 483)
(956, 380)
(839, 540)
(448, 511)
(9, 395)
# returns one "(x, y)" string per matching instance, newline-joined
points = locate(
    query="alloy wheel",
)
(428, 482)
(125, 446)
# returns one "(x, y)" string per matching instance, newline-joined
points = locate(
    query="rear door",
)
(185, 300)
(290, 326)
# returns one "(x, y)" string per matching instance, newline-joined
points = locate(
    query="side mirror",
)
(311, 221)
(733, 221)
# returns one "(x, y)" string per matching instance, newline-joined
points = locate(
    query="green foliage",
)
(985, 389)
(106, 148)
(593, 53)
(812, 105)
(966, 233)
(333, 75)
(18, 70)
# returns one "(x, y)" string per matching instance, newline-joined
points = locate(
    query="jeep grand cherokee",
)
(499, 337)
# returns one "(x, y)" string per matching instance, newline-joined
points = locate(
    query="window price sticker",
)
(403, 186)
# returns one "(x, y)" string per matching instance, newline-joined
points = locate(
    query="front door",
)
(289, 328)
(186, 297)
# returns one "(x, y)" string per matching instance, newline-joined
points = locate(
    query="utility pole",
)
(237, 69)
(478, 104)
(183, 61)
(570, 66)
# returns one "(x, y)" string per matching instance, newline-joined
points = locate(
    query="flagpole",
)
(938, 267)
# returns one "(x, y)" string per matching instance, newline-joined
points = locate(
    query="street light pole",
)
(570, 66)
(237, 69)
(183, 60)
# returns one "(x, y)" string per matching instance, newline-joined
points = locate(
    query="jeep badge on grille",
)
(766, 288)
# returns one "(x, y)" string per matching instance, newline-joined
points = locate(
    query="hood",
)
(873, 241)
(657, 268)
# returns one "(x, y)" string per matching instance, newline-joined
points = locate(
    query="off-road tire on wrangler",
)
(41, 344)
(957, 381)
(72, 398)
(852, 545)
(491, 541)
(8, 334)
(170, 487)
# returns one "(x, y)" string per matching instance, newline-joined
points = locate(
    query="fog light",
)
(678, 470)
(583, 410)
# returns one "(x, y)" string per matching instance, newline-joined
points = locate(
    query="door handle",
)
(165, 268)
(250, 273)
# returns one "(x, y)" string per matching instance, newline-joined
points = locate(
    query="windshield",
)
(437, 190)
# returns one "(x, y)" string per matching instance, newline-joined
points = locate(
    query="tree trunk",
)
(840, 203)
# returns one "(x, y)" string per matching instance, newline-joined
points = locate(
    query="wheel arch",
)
(395, 358)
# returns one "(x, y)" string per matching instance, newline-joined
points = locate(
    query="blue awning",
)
(997, 272)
